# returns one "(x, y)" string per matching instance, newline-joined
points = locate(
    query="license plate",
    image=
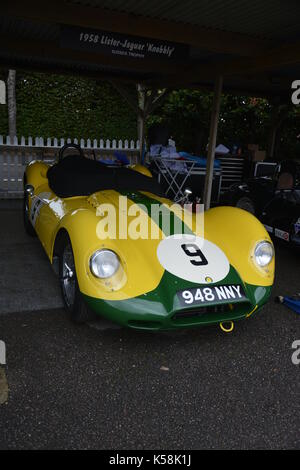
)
(212, 295)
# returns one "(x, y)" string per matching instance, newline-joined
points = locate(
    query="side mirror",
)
(29, 190)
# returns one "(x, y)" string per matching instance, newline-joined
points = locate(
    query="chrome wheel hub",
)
(68, 275)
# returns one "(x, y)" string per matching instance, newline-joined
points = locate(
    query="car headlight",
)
(104, 263)
(263, 253)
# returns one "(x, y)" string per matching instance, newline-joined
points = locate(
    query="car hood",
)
(229, 234)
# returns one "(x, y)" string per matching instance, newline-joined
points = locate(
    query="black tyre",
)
(73, 300)
(27, 224)
(246, 203)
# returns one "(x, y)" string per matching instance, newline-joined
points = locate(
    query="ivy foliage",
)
(63, 106)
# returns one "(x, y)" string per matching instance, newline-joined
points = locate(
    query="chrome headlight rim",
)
(258, 253)
(94, 259)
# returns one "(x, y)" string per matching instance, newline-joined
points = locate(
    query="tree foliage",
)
(65, 106)
(243, 120)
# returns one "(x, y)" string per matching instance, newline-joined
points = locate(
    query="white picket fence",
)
(15, 154)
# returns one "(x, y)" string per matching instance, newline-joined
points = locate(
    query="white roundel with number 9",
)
(193, 259)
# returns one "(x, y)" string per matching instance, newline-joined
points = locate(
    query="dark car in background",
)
(275, 200)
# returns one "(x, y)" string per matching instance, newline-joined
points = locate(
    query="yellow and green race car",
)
(218, 273)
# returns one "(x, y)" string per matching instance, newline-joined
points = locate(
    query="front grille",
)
(143, 324)
(207, 311)
(192, 313)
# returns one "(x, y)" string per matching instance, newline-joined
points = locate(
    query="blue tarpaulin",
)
(201, 161)
(291, 302)
(120, 159)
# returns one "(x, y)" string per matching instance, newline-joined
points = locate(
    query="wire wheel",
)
(68, 276)
(73, 300)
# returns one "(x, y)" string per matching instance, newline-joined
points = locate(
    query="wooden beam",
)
(159, 75)
(28, 48)
(265, 61)
(263, 84)
(286, 55)
(60, 12)
(52, 69)
(282, 56)
(212, 142)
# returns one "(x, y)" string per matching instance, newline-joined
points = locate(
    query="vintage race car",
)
(221, 273)
(275, 201)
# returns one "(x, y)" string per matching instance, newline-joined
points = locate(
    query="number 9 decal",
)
(191, 249)
(193, 259)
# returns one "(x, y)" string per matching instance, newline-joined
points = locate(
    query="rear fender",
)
(36, 174)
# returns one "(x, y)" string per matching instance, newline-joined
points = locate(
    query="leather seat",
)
(285, 181)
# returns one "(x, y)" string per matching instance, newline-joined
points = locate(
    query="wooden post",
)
(141, 118)
(212, 141)
(143, 105)
(273, 136)
(279, 114)
(12, 104)
(141, 126)
(2, 92)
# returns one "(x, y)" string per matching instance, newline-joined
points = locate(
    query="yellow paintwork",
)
(145, 269)
(36, 173)
(141, 169)
(235, 231)
(78, 216)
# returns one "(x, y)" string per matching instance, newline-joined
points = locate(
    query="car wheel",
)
(246, 204)
(27, 224)
(73, 300)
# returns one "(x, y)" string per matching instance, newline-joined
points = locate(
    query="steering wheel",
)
(66, 146)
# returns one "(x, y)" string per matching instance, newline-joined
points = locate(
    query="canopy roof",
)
(161, 43)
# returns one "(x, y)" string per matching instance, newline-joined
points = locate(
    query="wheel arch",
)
(79, 226)
(60, 237)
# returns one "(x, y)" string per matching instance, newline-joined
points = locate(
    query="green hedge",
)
(62, 106)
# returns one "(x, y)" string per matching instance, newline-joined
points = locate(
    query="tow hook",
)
(227, 326)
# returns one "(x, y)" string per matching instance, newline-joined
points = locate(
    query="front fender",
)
(237, 232)
(135, 255)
